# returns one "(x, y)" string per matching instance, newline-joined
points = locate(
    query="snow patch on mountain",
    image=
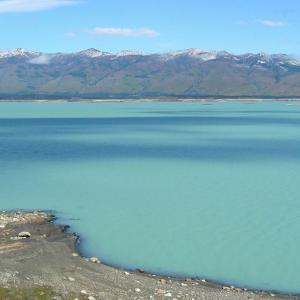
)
(193, 52)
(93, 53)
(18, 52)
(130, 53)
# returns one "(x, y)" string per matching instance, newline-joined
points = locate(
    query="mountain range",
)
(188, 73)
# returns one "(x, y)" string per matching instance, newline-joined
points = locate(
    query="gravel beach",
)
(35, 252)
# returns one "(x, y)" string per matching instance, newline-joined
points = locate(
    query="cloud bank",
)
(127, 32)
(43, 59)
(32, 5)
(272, 23)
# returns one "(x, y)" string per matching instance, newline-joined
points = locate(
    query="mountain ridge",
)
(93, 73)
(93, 52)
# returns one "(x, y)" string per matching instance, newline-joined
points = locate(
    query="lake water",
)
(188, 189)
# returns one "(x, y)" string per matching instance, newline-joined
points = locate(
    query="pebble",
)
(126, 273)
(140, 270)
(24, 234)
(83, 292)
(137, 290)
(71, 279)
(160, 291)
(168, 295)
(74, 254)
(183, 284)
(95, 260)
(91, 298)
(163, 281)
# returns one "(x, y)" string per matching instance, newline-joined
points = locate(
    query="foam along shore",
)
(37, 253)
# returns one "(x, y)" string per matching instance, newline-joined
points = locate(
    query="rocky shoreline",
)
(36, 253)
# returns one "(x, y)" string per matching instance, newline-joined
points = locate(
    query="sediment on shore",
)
(35, 252)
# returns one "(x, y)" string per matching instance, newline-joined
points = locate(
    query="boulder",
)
(24, 234)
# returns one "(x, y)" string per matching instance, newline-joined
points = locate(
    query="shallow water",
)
(186, 189)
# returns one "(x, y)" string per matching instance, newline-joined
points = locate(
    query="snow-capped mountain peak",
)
(18, 52)
(193, 52)
(92, 52)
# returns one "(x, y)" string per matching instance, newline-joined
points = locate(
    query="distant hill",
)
(188, 73)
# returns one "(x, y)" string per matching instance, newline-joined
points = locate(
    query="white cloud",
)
(32, 5)
(127, 32)
(272, 23)
(43, 59)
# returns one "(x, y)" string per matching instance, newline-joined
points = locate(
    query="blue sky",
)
(237, 26)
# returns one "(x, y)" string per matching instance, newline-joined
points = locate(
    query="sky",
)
(237, 26)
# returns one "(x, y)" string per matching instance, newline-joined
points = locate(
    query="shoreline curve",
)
(55, 251)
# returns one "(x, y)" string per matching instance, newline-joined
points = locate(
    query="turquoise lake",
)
(208, 190)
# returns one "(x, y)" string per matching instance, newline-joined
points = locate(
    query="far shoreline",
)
(154, 100)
